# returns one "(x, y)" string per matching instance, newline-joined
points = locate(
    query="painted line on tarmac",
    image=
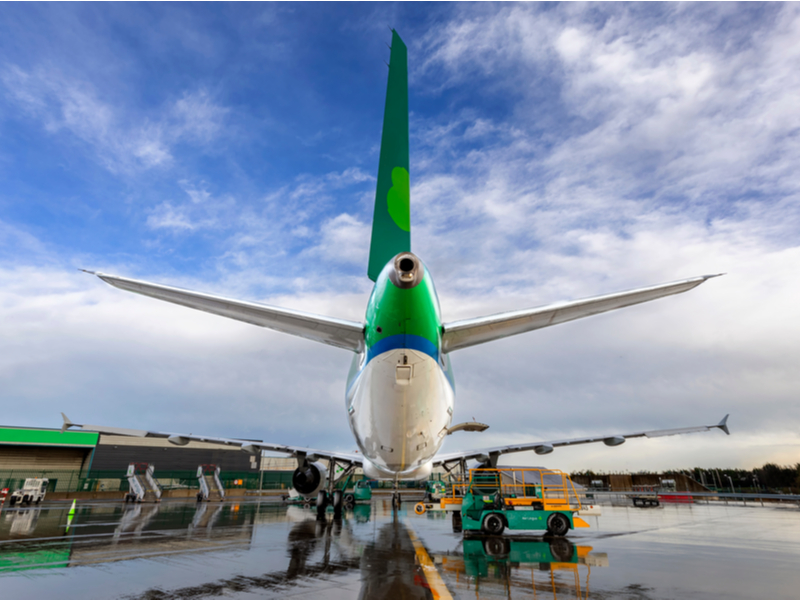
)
(437, 586)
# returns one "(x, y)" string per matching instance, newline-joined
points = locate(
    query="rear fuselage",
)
(400, 390)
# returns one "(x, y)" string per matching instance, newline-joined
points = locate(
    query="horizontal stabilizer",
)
(463, 334)
(334, 332)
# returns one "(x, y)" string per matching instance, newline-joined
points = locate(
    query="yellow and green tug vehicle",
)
(493, 500)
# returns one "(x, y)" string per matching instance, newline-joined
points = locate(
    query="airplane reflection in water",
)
(372, 551)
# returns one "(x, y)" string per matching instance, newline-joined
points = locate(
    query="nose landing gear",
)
(397, 500)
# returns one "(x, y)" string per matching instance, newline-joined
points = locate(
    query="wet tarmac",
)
(262, 549)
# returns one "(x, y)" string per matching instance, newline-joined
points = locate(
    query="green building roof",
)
(46, 437)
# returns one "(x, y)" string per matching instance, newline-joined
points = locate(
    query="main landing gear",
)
(324, 499)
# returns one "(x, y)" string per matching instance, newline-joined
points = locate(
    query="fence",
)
(117, 481)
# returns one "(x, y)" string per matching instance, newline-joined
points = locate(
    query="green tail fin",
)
(391, 225)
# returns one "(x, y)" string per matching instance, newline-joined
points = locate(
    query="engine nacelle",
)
(309, 479)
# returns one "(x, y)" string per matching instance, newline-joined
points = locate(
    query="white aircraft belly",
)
(397, 422)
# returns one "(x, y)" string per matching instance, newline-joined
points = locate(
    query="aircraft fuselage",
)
(400, 391)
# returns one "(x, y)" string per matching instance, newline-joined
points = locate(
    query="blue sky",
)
(557, 152)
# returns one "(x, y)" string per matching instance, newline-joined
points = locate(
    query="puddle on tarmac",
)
(259, 549)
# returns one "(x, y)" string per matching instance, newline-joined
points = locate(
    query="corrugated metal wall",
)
(117, 452)
(41, 458)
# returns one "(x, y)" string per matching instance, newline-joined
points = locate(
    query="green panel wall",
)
(47, 437)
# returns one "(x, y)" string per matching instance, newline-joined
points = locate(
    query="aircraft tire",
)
(337, 504)
(349, 499)
(493, 524)
(322, 503)
(557, 524)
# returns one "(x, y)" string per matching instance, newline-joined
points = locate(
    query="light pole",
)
(733, 491)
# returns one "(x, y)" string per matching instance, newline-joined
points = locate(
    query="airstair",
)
(211, 489)
(142, 486)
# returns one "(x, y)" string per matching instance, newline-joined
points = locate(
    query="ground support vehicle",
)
(435, 490)
(646, 495)
(361, 492)
(450, 501)
(519, 499)
(32, 492)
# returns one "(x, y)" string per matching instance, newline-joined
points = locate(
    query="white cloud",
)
(629, 153)
(122, 143)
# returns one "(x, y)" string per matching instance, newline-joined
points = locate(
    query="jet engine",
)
(309, 479)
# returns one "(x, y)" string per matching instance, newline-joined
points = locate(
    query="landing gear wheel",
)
(561, 550)
(349, 500)
(337, 504)
(493, 524)
(557, 524)
(457, 524)
(322, 504)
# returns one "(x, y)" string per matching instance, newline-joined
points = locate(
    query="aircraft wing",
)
(251, 446)
(335, 332)
(491, 454)
(463, 334)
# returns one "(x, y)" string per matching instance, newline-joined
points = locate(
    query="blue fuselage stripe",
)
(396, 342)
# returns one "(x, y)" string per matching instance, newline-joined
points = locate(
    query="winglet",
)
(724, 424)
(67, 423)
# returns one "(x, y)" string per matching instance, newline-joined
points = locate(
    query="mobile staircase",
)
(211, 489)
(142, 486)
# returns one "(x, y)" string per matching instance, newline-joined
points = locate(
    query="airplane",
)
(400, 393)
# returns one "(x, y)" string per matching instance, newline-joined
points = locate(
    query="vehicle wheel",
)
(26, 500)
(493, 524)
(337, 504)
(457, 523)
(13, 501)
(199, 497)
(496, 546)
(419, 508)
(557, 524)
(322, 504)
(349, 499)
(561, 550)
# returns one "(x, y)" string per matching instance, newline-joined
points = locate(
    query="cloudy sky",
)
(557, 152)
